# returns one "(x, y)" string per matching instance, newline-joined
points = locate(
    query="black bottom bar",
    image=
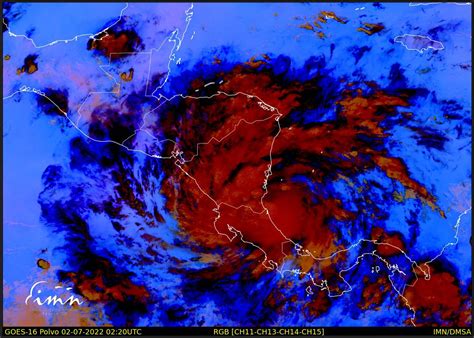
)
(234, 331)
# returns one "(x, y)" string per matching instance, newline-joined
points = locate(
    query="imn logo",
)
(452, 332)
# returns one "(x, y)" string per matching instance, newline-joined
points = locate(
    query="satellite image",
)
(237, 164)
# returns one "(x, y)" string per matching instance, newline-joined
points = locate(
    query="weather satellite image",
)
(237, 164)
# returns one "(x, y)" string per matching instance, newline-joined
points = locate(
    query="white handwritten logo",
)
(36, 291)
